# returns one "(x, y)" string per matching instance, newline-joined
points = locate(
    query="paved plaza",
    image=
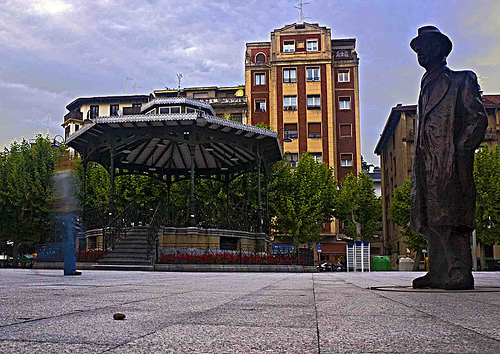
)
(41, 311)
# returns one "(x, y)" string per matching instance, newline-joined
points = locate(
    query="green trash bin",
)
(381, 263)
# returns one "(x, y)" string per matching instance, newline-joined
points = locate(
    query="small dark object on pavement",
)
(119, 316)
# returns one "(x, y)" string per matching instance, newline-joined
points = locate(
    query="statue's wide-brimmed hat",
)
(426, 33)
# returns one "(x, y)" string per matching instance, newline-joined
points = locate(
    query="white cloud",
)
(51, 6)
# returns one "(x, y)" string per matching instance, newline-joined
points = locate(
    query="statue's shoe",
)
(460, 279)
(427, 281)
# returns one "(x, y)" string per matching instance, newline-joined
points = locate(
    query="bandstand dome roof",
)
(160, 144)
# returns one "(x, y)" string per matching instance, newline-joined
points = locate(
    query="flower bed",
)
(227, 258)
(89, 256)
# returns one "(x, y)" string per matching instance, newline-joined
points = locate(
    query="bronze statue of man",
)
(450, 125)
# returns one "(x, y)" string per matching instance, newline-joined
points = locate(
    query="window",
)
(312, 74)
(317, 156)
(344, 102)
(260, 58)
(345, 130)
(113, 110)
(94, 112)
(203, 94)
(291, 131)
(312, 45)
(342, 54)
(313, 102)
(260, 79)
(343, 76)
(76, 127)
(67, 131)
(289, 75)
(236, 118)
(314, 130)
(288, 46)
(137, 105)
(292, 159)
(290, 103)
(346, 160)
(170, 110)
(191, 110)
(260, 105)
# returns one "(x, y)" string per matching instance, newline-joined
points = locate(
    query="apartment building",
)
(227, 101)
(93, 107)
(304, 85)
(395, 148)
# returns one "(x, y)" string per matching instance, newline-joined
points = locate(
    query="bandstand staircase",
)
(129, 237)
(130, 251)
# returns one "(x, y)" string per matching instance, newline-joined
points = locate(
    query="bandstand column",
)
(112, 181)
(192, 218)
(84, 163)
(259, 197)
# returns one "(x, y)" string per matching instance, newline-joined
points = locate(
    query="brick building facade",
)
(304, 85)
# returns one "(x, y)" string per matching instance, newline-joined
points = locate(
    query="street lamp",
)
(56, 143)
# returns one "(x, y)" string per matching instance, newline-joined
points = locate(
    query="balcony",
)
(410, 137)
(220, 102)
(128, 111)
(490, 135)
(74, 115)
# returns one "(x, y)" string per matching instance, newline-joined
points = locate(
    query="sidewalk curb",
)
(230, 268)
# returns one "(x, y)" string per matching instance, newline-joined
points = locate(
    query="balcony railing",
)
(490, 135)
(128, 111)
(73, 115)
(234, 101)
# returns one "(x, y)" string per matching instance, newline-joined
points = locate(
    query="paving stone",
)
(43, 311)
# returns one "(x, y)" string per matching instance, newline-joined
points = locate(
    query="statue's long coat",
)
(450, 125)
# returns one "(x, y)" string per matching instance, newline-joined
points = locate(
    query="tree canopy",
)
(303, 199)
(487, 180)
(358, 207)
(400, 212)
(25, 191)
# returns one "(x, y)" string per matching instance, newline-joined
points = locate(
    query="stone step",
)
(123, 249)
(125, 261)
(142, 255)
(123, 267)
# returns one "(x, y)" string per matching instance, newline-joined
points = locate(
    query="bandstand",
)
(171, 140)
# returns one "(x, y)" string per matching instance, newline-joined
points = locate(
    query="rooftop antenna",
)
(179, 77)
(126, 79)
(301, 8)
(48, 121)
(134, 86)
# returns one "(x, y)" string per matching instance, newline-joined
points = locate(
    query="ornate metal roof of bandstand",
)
(159, 144)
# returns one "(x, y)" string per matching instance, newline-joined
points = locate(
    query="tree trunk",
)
(418, 259)
(482, 257)
(358, 227)
(15, 253)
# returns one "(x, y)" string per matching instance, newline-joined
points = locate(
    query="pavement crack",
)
(316, 314)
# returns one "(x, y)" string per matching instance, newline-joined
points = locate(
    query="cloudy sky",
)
(52, 51)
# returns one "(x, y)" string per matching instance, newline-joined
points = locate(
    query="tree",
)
(487, 181)
(358, 207)
(399, 213)
(26, 193)
(302, 200)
